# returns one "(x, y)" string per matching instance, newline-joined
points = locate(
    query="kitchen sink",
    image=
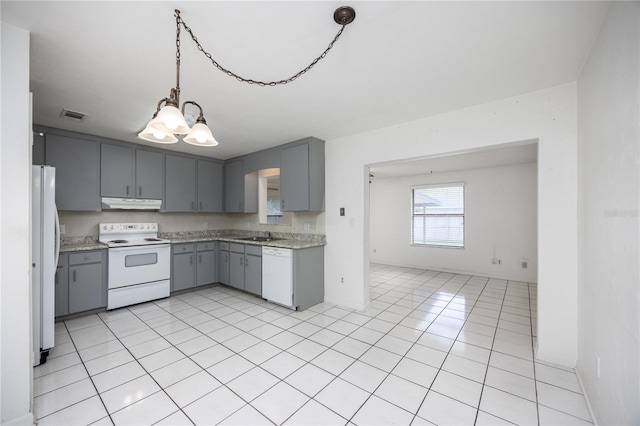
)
(263, 239)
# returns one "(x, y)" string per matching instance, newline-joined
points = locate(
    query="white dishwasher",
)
(277, 275)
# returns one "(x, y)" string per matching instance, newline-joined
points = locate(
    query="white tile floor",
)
(434, 348)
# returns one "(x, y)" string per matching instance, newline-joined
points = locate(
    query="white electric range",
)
(139, 263)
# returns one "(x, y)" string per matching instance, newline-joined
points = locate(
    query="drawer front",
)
(238, 248)
(183, 248)
(224, 245)
(210, 245)
(253, 250)
(85, 257)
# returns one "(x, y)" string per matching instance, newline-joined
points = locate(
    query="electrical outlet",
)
(494, 261)
(63, 229)
(524, 265)
(205, 225)
(341, 211)
(307, 226)
(341, 280)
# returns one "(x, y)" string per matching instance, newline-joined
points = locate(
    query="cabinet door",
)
(180, 184)
(223, 267)
(206, 267)
(86, 288)
(233, 186)
(253, 274)
(209, 186)
(77, 172)
(116, 171)
(149, 174)
(183, 271)
(236, 270)
(61, 290)
(294, 178)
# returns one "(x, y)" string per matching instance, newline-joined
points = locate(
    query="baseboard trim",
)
(586, 396)
(27, 419)
(342, 304)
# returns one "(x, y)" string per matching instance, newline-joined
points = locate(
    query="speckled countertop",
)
(283, 239)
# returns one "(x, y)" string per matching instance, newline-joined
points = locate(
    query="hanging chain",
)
(179, 21)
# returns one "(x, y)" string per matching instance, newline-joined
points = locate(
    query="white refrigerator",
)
(45, 246)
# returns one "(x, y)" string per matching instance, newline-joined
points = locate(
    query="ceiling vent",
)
(73, 115)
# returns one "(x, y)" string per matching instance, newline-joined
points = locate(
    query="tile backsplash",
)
(78, 224)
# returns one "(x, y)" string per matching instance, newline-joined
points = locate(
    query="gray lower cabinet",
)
(87, 281)
(308, 277)
(77, 163)
(236, 266)
(245, 267)
(193, 265)
(206, 263)
(223, 263)
(180, 184)
(182, 267)
(253, 269)
(62, 286)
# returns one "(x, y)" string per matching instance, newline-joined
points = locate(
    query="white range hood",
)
(130, 204)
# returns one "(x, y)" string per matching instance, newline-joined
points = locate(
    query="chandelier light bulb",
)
(170, 120)
(200, 135)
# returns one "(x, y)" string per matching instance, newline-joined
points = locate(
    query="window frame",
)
(413, 215)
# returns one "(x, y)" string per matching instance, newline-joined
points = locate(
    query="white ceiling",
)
(398, 61)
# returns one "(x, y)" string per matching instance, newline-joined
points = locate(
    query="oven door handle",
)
(148, 247)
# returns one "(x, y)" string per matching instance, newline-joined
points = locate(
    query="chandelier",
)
(168, 121)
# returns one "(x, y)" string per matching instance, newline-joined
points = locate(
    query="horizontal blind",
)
(438, 215)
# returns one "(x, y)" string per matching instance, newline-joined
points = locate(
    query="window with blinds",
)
(437, 215)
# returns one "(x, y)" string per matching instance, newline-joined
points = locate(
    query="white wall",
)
(15, 227)
(500, 222)
(548, 116)
(609, 202)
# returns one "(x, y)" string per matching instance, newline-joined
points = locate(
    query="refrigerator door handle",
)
(57, 233)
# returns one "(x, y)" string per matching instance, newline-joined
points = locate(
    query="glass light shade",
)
(170, 120)
(200, 135)
(153, 135)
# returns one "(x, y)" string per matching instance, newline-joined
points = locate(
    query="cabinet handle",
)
(281, 204)
(193, 206)
(239, 207)
(240, 261)
(226, 258)
(200, 259)
(200, 205)
(74, 275)
(139, 191)
(127, 189)
(190, 260)
(246, 261)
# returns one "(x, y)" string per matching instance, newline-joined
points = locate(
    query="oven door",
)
(139, 264)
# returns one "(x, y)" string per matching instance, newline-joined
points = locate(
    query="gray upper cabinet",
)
(210, 186)
(77, 164)
(117, 171)
(126, 173)
(302, 177)
(180, 184)
(149, 175)
(234, 187)
(240, 189)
